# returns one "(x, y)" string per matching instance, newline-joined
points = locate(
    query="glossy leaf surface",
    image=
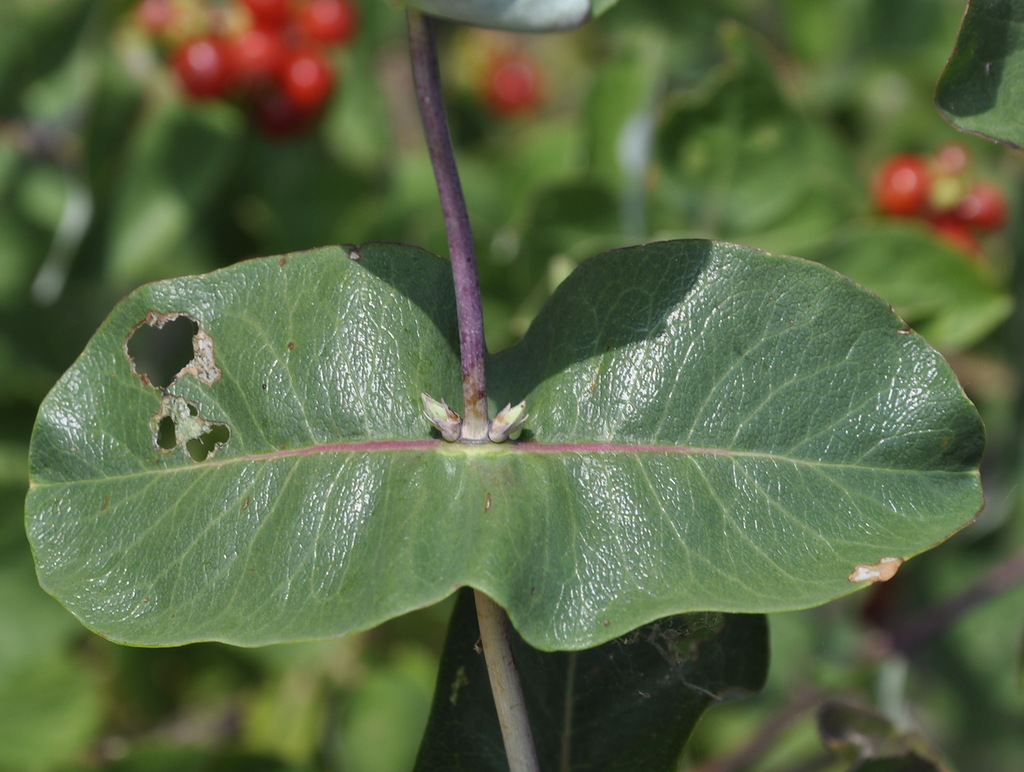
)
(980, 90)
(712, 428)
(628, 704)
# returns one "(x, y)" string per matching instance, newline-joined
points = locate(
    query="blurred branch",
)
(74, 222)
(62, 147)
(924, 627)
(37, 142)
(768, 736)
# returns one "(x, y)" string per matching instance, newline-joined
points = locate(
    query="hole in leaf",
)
(201, 447)
(166, 438)
(161, 346)
(179, 423)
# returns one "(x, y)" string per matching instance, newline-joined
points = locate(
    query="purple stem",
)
(427, 77)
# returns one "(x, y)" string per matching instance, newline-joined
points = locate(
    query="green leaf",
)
(712, 428)
(175, 168)
(951, 298)
(980, 89)
(628, 704)
(384, 720)
(50, 713)
(520, 15)
(176, 759)
(866, 740)
(739, 159)
(600, 6)
(51, 708)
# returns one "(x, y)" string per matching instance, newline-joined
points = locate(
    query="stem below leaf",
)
(506, 686)
(427, 77)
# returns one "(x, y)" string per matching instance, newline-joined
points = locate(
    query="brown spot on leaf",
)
(282, 262)
(882, 571)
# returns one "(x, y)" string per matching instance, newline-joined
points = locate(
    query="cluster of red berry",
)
(270, 55)
(939, 190)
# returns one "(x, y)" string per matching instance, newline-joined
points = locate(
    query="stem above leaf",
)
(427, 77)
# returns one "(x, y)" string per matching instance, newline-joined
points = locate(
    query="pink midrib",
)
(381, 446)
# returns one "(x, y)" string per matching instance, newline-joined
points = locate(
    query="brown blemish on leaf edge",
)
(882, 571)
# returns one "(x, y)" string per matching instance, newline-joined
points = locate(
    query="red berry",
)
(307, 78)
(983, 206)
(956, 233)
(203, 67)
(330, 21)
(269, 13)
(277, 115)
(952, 159)
(257, 55)
(902, 186)
(155, 16)
(512, 85)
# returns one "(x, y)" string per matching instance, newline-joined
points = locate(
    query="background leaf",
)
(867, 740)
(628, 704)
(687, 423)
(953, 302)
(980, 90)
(173, 171)
(600, 6)
(49, 703)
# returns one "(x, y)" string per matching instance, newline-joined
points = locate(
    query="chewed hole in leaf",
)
(165, 347)
(205, 445)
(161, 346)
(179, 423)
(166, 438)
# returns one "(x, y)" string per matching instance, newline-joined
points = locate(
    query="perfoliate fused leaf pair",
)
(706, 433)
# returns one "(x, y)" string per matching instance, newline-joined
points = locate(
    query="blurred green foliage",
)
(749, 120)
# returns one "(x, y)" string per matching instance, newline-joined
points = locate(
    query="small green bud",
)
(442, 417)
(508, 421)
